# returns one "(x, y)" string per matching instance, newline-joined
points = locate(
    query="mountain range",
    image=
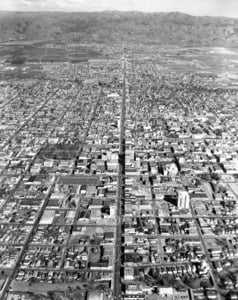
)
(119, 27)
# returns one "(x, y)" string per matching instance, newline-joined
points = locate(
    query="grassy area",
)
(46, 289)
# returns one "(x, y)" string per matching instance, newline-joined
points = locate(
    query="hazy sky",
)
(228, 8)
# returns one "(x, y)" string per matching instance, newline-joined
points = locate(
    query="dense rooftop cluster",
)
(118, 180)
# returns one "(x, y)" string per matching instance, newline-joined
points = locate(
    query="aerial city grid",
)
(118, 163)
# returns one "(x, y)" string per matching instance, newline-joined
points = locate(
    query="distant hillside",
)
(136, 27)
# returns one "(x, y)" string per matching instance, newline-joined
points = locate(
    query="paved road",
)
(160, 265)
(208, 190)
(209, 261)
(9, 101)
(118, 231)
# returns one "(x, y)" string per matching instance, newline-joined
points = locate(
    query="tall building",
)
(183, 200)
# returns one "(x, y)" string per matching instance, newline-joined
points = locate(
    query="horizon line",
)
(114, 10)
